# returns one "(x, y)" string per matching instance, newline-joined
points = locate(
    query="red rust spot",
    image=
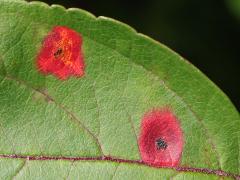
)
(61, 53)
(161, 138)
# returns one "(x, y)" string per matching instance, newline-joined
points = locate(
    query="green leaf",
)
(53, 129)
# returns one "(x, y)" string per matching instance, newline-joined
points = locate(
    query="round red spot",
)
(61, 53)
(161, 138)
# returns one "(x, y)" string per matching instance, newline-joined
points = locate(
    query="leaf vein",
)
(19, 170)
(62, 107)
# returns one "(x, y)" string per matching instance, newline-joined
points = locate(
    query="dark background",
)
(204, 32)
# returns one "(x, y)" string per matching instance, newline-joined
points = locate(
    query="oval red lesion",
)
(61, 53)
(161, 138)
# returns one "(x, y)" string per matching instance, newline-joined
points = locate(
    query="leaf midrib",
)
(100, 158)
(179, 169)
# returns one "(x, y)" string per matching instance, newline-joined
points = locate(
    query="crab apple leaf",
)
(90, 98)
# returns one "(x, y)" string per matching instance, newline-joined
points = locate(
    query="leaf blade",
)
(139, 73)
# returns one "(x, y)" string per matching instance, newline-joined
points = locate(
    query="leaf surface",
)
(89, 127)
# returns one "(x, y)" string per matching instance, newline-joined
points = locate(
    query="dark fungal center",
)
(161, 144)
(58, 53)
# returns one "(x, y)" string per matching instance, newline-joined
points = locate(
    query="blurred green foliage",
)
(234, 6)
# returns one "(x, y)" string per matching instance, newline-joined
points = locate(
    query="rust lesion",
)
(61, 54)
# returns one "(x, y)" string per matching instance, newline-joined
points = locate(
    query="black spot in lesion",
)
(58, 53)
(161, 144)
